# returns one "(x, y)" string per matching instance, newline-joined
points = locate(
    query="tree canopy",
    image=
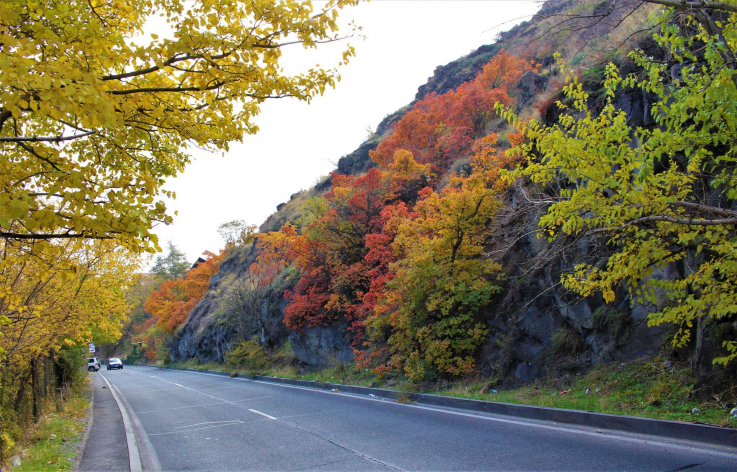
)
(95, 112)
(100, 104)
(172, 266)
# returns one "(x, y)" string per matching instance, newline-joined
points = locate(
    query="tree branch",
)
(166, 89)
(4, 115)
(54, 139)
(52, 236)
(669, 219)
(711, 209)
(693, 5)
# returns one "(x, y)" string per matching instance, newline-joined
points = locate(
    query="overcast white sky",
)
(298, 143)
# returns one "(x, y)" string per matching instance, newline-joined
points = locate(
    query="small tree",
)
(172, 266)
(237, 233)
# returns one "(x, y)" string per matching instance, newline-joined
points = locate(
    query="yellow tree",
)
(44, 309)
(95, 113)
(659, 197)
(441, 280)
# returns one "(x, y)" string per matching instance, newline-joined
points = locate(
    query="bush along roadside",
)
(650, 388)
(56, 441)
(42, 411)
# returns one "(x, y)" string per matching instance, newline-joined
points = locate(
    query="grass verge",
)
(650, 388)
(55, 442)
(643, 388)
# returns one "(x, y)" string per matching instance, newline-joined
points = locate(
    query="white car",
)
(93, 365)
(114, 363)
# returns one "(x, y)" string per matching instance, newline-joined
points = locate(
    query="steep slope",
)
(535, 328)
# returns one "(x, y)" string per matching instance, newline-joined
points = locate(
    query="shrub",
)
(610, 321)
(247, 354)
(70, 366)
(284, 355)
(567, 340)
(7, 446)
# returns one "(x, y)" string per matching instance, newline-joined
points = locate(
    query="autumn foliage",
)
(174, 299)
(395, 256)
(442, 128)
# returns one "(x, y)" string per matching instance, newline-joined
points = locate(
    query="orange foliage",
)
(174, 299)
(441, 128)
(349, 254)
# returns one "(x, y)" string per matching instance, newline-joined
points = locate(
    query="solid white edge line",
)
(134, 456)
(613, 434)
(262, 414)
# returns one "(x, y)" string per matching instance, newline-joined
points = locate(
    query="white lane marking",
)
(700, 449)
(145, 386)
(204, 427)
(208, 422)
(134, 456)
(262, 414)
(249, 399)
(181, 408)
(193, 390)
(205, 405)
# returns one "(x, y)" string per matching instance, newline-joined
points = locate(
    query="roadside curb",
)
(631, 424)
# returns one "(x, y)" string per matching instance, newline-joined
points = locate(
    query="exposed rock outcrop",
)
(321, 346)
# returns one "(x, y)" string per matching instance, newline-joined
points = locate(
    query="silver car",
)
(93, 365)
(114, 363)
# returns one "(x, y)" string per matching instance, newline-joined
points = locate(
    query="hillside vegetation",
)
(559, 200)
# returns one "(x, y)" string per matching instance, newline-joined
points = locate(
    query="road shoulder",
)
(106, 447)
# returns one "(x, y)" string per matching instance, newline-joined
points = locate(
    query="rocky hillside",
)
(534, 327)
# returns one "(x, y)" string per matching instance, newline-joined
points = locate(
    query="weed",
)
(567, 340)
(247, 354)
(53, 443)
(611, 321)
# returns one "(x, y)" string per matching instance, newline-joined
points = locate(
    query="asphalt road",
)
(199, 421)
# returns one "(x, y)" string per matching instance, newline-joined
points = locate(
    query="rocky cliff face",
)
(536, 328)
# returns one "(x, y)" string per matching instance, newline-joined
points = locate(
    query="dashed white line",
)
(262, 414)
(208, 422)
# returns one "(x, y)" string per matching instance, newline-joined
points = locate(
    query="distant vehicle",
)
(93, 365)
(114, 363)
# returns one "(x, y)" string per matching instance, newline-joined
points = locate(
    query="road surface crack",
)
(346, 448)
(310, 467)
(686, 467)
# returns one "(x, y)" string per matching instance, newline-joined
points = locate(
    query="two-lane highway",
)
(199, 421)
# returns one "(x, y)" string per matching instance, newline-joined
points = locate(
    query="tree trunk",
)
(696, 359)
(34, 387)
